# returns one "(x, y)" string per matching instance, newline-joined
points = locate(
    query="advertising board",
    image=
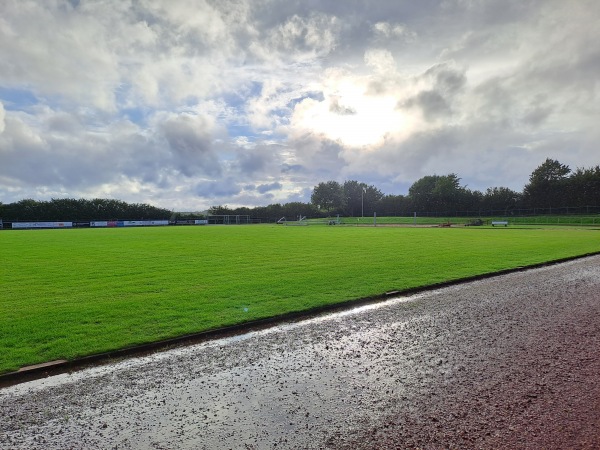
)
(144, 223)
(128, 223)
(16, 225)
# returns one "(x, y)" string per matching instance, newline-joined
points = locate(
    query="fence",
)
(520, 212)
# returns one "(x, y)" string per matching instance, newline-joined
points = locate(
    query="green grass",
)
(571, 220)
(70, 293)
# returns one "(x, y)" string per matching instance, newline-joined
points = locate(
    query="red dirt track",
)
(509, 362)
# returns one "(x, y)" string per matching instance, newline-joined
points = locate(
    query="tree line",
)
(552, 185)
(69, 209)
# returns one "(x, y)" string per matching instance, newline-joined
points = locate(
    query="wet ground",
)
(506, 362)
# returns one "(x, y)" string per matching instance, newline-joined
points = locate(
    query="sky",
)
(187, 104)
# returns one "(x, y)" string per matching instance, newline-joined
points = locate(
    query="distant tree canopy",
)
(500, 198)
(583, 187)
(548, 185)
(551, 185)
(436, 193)
(69, 209)
(328, 196)
(350, 199)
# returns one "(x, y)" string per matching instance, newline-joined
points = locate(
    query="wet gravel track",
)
(506, 362)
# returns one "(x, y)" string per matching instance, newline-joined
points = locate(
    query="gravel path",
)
(506, 362)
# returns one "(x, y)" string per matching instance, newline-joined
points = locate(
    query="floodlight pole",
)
(362, 202)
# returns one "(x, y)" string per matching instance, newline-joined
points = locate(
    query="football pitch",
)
(72, 293)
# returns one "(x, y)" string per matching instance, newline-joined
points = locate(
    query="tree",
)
(469, 200)
(500, 199)
(353, 197)
(293, 210)
(421, 193)
(27, 209)
(547, 185)
(219, 210)
(359, 198)
(394, 205)
(328, 196)
(371, 198)
(81, 209)
(583, 187)
(437, 193)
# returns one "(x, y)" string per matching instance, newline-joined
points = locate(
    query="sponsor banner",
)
(81, 224)
(106, 223)
(95, 223)
(144, 223)
(190, 222)
(42, 224)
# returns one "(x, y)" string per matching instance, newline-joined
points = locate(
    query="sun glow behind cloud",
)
(351, 116)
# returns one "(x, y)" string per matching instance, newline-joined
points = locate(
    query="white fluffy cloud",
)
(189, 104)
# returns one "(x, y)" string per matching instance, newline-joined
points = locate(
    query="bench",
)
(499, 222)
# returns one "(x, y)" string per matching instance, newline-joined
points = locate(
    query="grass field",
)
(70, 293)
(548, 220)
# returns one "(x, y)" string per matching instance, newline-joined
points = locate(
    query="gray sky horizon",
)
(189, 104)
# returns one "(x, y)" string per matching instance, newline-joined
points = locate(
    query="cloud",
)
(218, 188)
(244, 102)
(437, 89)
(380, 60)
(264, 188)
(258, 160)
(2, 114)
(431, 103)
(190, 142)
(299, 38)
(336, 108)
(387, 31)
(56, 154)
(150, 52)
